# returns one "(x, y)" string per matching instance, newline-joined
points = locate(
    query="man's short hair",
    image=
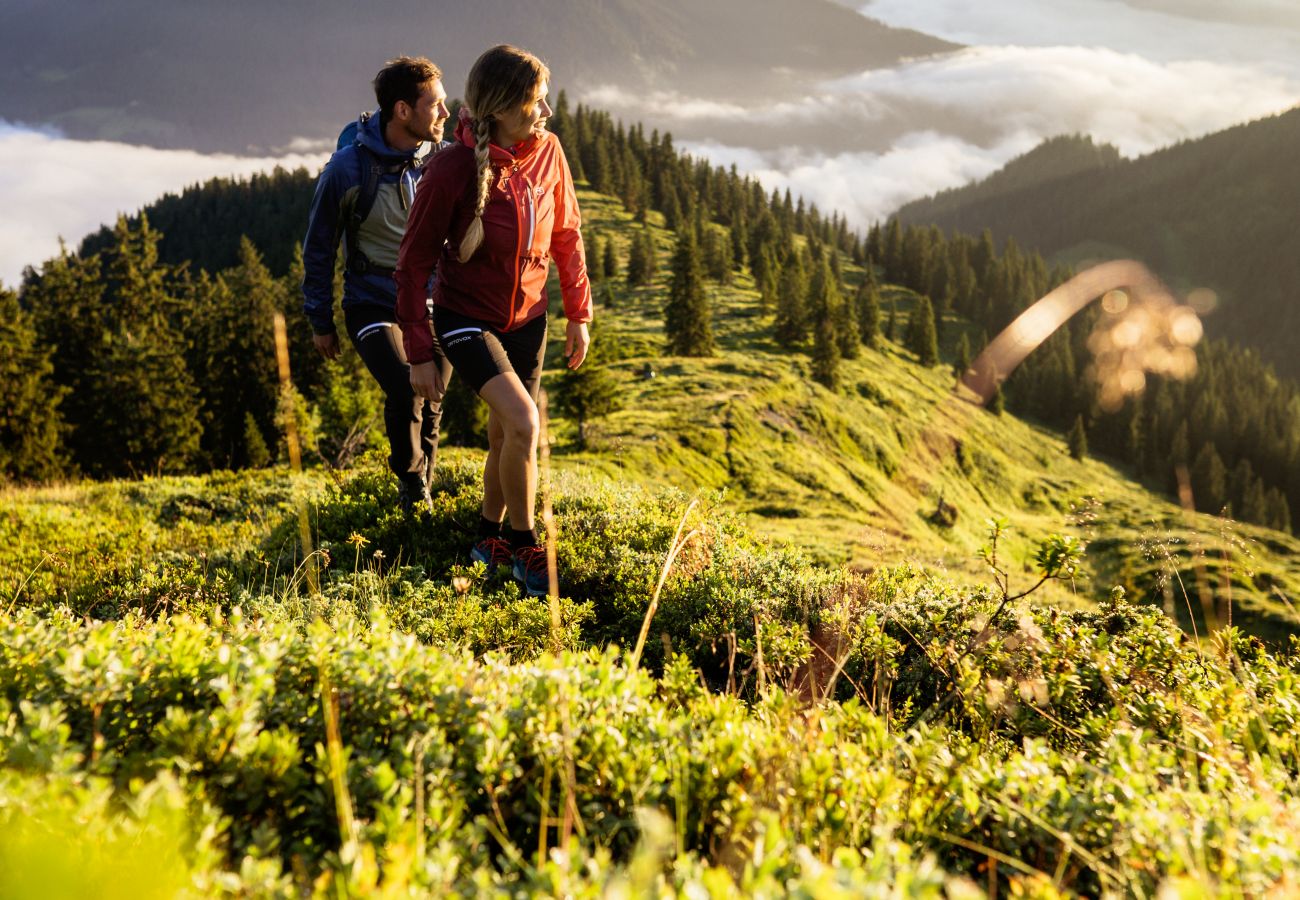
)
(402, 79)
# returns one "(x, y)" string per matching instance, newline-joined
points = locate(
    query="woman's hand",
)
(426, 381)
(576, 342)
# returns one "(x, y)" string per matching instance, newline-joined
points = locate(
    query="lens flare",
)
(1143, 330)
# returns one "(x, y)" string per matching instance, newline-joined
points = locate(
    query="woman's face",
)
(519, 123)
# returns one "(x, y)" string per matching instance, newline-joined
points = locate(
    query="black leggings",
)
(411, 422)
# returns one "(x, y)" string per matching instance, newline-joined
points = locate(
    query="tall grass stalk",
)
(295, 449)
(548, 522)
(679, 542)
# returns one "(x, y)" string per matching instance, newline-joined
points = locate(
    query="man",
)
(362, 197)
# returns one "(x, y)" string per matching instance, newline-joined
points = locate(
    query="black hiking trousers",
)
(411, 422)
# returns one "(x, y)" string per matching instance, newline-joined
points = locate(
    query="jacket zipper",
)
(519, 244)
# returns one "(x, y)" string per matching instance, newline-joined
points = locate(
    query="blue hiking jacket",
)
(381, 233)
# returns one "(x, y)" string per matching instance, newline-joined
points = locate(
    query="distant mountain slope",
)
(240, 75)
(1222, 212)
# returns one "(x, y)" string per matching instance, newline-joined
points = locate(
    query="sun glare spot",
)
(1203, 301)
(1185, 327)
(1114, 302)
(1132, 381)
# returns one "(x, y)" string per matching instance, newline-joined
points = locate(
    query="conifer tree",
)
(791, 325)
(637, 272)
(826, 354)
(1179, 455)
(823, 303)
(891, 251)
(1254, 504)
(922, 339)
(739, 242)
(868, 308)
(846, 329)
(1209, 480)
(140, 403)
(826, 303)
(151, 423)
(641, 264)
(596, 260)
(31, 426)
(1278, 511)
(257, 455)
(588, 393)
(1078, 439)
(688, 320)
(1137, 437)
(962, 361)
(562, 125)
(891, 329)
(1240, 480)
(609, 260)
(650, 252)
(997, 403)
(236, 361)
(717, 254)
(767, 273)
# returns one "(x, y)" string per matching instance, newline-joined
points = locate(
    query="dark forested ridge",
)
(161, 344)
(204, 224)
(1221, 212)
(263, 73)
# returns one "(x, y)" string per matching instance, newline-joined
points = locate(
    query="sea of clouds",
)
(54, 188)
(1140, 74)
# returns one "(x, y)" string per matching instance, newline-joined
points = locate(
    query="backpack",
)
(355, 209)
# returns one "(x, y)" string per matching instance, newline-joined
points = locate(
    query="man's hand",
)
(576, 342)
(426, 381)
(327, 344)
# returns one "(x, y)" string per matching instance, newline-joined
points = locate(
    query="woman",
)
(490, 212)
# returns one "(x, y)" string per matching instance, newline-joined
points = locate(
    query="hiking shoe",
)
(493, 552)
(413, 495)
(531, 569)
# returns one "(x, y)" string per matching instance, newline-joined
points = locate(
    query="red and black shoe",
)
(493, 552)
(531, 569)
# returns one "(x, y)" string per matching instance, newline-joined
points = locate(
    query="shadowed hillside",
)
(1221, 212)
(241, 75)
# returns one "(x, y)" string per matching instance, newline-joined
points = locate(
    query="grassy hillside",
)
(184, 712)
(1217, 212)
(854, 477)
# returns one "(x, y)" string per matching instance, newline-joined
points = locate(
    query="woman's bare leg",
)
(516, 453)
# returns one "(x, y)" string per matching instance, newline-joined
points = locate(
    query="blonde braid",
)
(474, 234)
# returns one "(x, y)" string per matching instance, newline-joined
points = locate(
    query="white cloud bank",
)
(984, 106)
(52, 187)
(1119, 98)
(867, 187)
(1263, 34)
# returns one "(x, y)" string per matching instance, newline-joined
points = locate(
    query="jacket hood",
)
(465, 135)
(371, 136)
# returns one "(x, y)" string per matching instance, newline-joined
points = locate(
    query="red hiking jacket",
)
(531, 216)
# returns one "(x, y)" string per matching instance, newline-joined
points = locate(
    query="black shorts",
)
(479, 352)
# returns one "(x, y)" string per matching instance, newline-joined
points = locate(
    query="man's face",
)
(424, 120)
